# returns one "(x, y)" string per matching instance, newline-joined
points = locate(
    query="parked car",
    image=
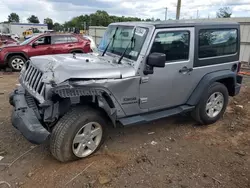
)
(15, 37)
(7, 40)
(14, 56)
(143, 72)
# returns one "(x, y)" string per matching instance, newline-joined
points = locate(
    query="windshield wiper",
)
(123, 54)
(113, 37)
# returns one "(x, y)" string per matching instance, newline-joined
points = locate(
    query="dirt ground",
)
(169, 153)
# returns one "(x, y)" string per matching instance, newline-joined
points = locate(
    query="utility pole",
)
(197, 16)
(166, 13)
(178, 10)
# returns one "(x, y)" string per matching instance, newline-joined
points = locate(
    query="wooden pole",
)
(178, 10)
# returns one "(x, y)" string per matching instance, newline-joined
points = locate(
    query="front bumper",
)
(25, 120)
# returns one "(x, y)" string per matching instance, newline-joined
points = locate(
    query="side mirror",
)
(34, 44)
(156, 59)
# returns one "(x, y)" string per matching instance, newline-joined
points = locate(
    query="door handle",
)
(185, 70)
(70, 45)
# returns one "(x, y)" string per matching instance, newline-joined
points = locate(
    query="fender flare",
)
(206, 81)
(76, 49)
(15, 53)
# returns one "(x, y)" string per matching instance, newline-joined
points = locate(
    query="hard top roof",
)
(180, 23)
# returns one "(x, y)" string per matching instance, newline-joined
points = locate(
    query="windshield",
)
(28, 40)
(123, 39)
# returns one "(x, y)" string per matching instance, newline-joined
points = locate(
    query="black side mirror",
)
(34, 44)
(156, 59)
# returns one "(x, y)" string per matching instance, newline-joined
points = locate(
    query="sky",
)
(63, 10)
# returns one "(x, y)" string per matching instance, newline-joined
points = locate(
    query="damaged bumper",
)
(25, 120)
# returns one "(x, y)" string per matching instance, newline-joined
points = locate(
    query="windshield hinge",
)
(144, 80)
(143, 100)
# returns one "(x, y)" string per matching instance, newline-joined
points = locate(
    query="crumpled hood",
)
(62, 67)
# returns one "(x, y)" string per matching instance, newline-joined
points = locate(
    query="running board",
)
(151, 116)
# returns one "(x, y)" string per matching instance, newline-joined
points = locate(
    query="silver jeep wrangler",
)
(141, 72)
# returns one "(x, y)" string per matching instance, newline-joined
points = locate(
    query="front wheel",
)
(16, 62)
(78, 134)
(212, 105)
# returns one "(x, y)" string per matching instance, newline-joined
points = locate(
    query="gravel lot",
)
(169, 153)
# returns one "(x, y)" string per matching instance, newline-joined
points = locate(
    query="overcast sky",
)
(64, 10)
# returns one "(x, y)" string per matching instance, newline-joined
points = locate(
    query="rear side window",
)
(59, 39)
(72, 39)
(63, 39)
(217, 42)
(174, 44)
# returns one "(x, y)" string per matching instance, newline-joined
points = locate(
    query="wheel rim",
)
(17, 63)
(87, 139)
(215, 104)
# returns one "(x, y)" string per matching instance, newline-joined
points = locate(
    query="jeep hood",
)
(62, 67)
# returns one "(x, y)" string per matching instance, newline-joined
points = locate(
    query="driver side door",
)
(43, 46)
(169, 86)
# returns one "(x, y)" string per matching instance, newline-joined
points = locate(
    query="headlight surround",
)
(24, 68)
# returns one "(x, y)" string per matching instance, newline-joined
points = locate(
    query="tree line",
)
(99, 18)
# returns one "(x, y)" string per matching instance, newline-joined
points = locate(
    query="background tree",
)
(33, 19)
(13, 17)
(49, 22)
(99, 18)
(57, 27)
(224, 12)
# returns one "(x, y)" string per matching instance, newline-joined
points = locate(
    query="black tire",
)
(67, 127)
(13, 58)
(199, 113)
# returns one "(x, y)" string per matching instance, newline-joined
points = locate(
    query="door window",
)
(175, 44)
(46, 40)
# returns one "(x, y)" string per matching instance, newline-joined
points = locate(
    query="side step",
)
(151, 116)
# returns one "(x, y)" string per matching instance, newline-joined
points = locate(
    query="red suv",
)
(15, 56)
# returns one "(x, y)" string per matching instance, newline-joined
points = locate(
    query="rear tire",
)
(16, 62)
(73, 136)
(212, 104)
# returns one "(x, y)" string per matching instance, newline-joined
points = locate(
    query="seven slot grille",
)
(32, 78)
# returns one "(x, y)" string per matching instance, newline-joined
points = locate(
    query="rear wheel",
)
(212, 104)
(78, 134)
(16, 62)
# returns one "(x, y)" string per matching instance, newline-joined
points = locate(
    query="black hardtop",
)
(184, 23)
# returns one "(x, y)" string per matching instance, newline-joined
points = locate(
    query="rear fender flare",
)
(77, 49)
(206, 81)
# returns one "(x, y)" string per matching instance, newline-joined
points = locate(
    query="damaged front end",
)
(40, 102)
(89, 92)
